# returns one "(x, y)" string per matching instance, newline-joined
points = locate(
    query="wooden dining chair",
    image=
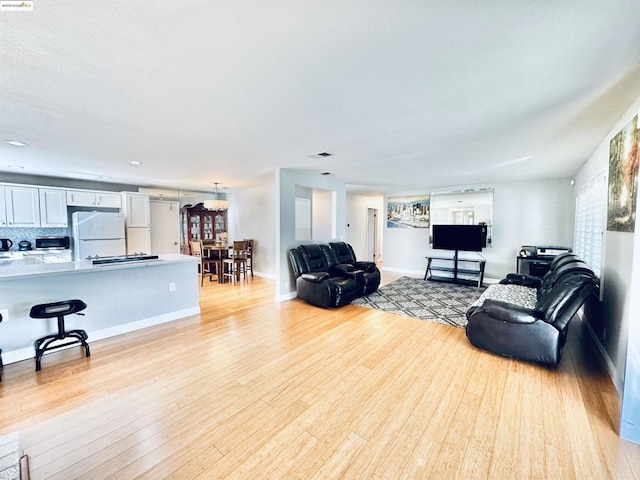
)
(250, 254)
(237, 263)
(208, 266)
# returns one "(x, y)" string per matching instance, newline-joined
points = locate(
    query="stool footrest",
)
(59, 310)
(44, 344)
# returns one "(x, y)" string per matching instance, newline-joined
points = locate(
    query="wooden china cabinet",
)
(198, 223)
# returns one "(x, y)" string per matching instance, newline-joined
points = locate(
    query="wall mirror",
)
(184, 197)
(463, 207)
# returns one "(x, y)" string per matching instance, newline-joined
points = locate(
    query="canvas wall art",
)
(623, 178)
(408, 212)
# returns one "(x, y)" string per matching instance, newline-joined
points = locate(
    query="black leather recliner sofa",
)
(322, 281)
(535, 333)
(343, 262)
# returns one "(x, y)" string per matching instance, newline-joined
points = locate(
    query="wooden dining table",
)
(218, 251)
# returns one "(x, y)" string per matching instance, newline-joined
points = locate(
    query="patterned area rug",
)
(438, 302)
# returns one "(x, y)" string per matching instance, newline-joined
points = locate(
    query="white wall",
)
(321, 214)
(616, 328)
(286, 181)
(538, 212)
(612, 328)
(630, 415)
(252, 214)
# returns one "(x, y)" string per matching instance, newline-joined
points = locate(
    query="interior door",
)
(165, 227)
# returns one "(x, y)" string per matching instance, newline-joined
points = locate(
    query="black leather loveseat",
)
(527, 318)
(329, 275)
(342, 261)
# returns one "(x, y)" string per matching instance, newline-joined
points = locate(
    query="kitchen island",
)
(121, 297)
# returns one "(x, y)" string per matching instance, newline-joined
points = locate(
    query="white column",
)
(630, 420)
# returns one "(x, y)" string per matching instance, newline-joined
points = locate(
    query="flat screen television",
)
(469, 238)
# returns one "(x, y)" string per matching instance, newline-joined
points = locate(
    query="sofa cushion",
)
(314, 258)
(553, 303)
(342, 252)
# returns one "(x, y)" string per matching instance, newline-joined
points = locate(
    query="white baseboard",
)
(20, 354)
(286, 296)
(414, 273)
(616, 378)
(269, 276)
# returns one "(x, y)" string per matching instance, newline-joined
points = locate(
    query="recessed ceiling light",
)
(320, 155)
(135, 162)
(16, 143)
(19, 167)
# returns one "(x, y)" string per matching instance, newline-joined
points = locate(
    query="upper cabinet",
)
(53, 207)
(136, 209)
(87, 198)
(22, 206)
(108, 200)
(3, 208)
(81, 198)
(32, 207)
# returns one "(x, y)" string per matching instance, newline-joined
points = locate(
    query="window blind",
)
(591, 206)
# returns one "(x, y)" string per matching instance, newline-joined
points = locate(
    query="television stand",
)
(464, 270)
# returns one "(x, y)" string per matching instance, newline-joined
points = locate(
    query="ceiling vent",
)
(320, 155)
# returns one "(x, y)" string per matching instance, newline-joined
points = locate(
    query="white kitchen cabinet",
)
(3, 208)
(53, 207)
(136, 210)
(22, 206)
(88, 198)
(138, 240)
(108, 200)
(81, 198)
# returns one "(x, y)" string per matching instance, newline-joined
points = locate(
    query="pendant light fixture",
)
(216, 203)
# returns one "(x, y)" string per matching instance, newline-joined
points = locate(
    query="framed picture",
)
(408, 212)
(623, 178)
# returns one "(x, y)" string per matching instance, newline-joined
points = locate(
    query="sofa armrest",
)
(524, 280)
(342, 269)
(315, 277)
(366, 266)
(508, 312)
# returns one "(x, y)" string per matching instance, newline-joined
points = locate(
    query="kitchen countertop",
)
(18, 265)
(19, 254)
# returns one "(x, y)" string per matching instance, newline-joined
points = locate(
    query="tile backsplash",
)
(16, 235)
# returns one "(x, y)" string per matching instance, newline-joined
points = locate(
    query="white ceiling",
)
(404, 94)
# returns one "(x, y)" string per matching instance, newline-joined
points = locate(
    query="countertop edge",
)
(13, 270)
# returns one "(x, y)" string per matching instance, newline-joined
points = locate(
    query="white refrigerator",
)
(98, 233)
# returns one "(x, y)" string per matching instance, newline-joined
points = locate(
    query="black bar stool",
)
(59, 309)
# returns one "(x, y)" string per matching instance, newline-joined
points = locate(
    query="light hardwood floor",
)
(254, 389)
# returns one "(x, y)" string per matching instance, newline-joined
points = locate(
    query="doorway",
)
(372, 235)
